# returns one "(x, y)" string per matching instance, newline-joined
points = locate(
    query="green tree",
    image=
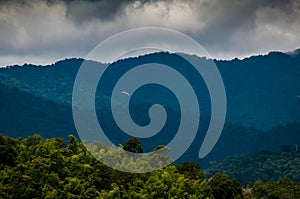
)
(191, 170)
(133, 145)
(222, 187)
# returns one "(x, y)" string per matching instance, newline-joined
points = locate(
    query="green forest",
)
(263, 165)
(34, 167)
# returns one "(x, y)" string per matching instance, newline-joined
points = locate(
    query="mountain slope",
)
(22, 115)
(262, 165)
(262, 91)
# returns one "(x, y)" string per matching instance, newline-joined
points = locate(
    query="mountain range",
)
(263, 101)
(262, 91)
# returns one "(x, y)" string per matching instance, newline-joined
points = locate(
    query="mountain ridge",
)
(292, 53)
(261, 91)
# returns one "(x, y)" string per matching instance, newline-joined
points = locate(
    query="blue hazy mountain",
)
(262, 94)
(22, 114)
(262, 91)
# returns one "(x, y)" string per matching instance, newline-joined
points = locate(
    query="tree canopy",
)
(52, 168)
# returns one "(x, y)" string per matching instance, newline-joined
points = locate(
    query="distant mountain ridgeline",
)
(23, 114)
(262, 91)
(53, 82)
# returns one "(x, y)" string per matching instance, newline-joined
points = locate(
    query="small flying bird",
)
(125, 93)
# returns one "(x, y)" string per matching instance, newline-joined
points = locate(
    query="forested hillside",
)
(262, 91)
(22, 114)
(149, 99)
(37, 100)
(33, 167)
(261, 165)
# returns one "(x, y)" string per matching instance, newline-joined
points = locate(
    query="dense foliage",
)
(263, 165)
(51, 168)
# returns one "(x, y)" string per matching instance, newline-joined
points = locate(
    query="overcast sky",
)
(44, 31)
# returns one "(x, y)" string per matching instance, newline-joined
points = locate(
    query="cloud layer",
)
(42, 31)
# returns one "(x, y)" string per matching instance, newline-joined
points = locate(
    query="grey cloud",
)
(82, 11)
(41, 30)
(235, 28)
(105, 10)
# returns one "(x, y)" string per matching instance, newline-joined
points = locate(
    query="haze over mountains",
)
(263, 99)
(262, 91)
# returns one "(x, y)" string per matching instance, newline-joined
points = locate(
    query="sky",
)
(45, 31)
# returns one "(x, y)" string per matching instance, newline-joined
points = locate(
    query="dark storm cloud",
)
(82, 11)
(45, 30)
(104, 10)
